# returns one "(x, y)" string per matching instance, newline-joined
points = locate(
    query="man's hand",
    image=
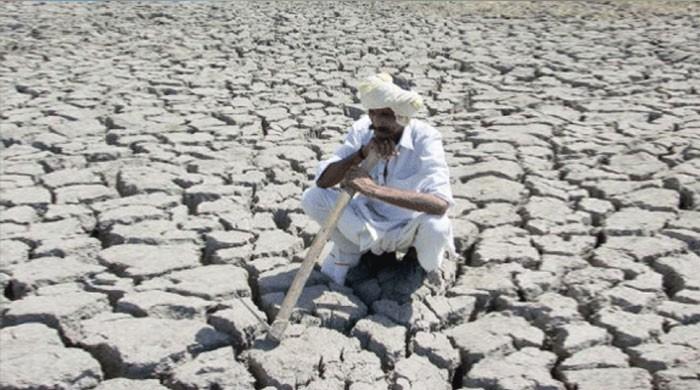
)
(358, 179)
(384, 147)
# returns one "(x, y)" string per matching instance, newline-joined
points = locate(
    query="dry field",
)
(153, 155)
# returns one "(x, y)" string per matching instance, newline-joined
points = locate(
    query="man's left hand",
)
(358, 179)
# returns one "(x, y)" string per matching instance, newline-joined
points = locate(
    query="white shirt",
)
(420, 166)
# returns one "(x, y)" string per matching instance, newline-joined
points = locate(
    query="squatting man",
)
(403, 201)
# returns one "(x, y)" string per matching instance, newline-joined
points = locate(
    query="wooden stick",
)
(290, 300)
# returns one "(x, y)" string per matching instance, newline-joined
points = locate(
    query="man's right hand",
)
(384, 147)
(336, 171)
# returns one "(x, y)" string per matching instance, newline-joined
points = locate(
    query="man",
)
(403, 201)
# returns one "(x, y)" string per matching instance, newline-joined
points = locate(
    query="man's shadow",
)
(388, 276)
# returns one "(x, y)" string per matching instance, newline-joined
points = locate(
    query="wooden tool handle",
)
(290, 300)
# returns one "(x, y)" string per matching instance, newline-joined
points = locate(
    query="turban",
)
(379, 91)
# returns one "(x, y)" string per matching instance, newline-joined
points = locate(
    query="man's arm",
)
(413, 200)
(335, 172)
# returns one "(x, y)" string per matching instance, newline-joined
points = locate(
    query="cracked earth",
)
(153, 157)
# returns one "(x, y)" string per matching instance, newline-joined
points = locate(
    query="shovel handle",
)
(290, 299)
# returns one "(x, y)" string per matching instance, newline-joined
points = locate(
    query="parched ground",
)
(153, 157)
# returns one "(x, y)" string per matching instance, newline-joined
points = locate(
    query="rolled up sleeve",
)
(434, 173)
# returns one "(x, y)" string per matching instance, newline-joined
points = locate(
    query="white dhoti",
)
(355, 233)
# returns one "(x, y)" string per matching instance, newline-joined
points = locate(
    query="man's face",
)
(384, 123)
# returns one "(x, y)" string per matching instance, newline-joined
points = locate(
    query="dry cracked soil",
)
(153, 156)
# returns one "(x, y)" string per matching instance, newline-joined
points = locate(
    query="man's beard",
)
(382, 131)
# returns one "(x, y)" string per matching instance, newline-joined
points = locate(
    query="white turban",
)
(379, 91)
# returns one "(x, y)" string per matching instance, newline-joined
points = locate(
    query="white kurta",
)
(371, 224)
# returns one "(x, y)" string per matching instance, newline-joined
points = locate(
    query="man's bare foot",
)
(435, 281)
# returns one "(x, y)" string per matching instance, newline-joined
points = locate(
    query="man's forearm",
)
(412, 200)
(335, 172)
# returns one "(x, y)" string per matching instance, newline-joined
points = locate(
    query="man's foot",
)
(435, 281)
(336, 272)
(337, 275)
